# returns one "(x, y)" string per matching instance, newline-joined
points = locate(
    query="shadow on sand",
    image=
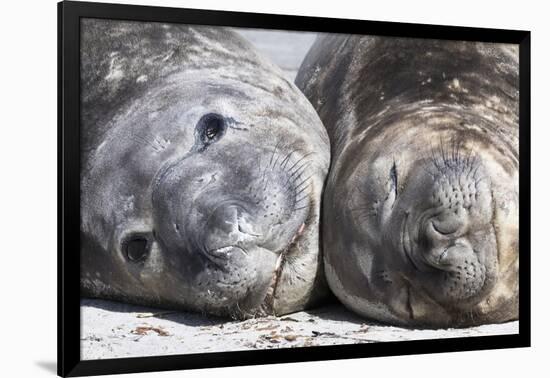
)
(186, 318)
(331, 311)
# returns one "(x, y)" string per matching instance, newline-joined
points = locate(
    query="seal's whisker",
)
(271, 162)
(300, 205)
(275, 161)
(303, 181)
(300, 208)
(302, 197)
(274, 151)
(299, 172)
(475, 170)
(293, 168)
(300, 160)
(286, 159)
(302, 190)
(265, 172)
(295, 175)
(442, 151)
(296, 186)
(298, 177)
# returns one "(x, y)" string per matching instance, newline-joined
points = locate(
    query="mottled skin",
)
(202, 171)
(421, 204)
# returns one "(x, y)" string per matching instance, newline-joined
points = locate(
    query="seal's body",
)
(421, 204)
(201, 173)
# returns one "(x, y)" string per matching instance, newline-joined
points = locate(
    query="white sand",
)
(112, 330)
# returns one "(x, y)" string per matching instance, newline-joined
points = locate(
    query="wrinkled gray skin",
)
(202, 171)
(421, 204)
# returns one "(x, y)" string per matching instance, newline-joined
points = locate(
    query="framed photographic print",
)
(240, 188)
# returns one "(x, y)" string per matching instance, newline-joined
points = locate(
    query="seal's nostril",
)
(232, 220)
(243, 229)
(444, 229)
(449, 223)
(224, 218)
(136, 248)
(442, 256)
(449, 257)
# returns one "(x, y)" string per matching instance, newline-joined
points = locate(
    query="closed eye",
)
(393, 178)
(391, 196)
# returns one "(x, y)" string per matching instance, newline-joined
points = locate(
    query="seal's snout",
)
(441, 235)
(453, 255)
(449, 237)
(449, 256)
(455, 269)
(232, 219)
(228, 229)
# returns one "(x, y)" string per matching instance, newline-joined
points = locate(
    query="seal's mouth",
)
(452, 284)
(269, 299)
(225, 253)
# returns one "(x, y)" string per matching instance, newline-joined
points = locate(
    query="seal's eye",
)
(210, 128)
(136, 248)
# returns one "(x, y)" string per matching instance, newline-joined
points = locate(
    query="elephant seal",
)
(420, 211)
(201, 173)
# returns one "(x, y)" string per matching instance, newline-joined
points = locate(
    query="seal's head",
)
(204, 192)
(431, 228)
(421, 204)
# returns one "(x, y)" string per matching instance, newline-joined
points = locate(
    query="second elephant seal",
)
(421, 205)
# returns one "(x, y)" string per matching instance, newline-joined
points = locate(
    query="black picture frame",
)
(69, 14)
